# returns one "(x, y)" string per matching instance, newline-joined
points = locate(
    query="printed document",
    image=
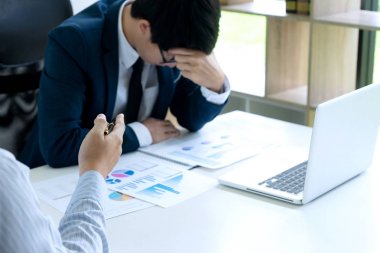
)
(156, 180)
(57, 192)
(227, 139)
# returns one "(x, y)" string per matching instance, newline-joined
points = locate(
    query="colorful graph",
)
(110, 180)
(117, 196)
(160, 190)
(122, 173)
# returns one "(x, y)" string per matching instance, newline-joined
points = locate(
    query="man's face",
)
(153, 54)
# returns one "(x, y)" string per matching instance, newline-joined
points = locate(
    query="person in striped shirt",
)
(25, 228)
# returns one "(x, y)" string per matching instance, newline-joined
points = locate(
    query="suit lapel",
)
(111, 55)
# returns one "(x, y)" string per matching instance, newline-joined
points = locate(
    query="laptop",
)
(342, 145)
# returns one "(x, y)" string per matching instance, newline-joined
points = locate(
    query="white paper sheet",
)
(156, 180)
(227, 139)
(57, 192)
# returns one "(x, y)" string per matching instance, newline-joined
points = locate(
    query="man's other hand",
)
(160, 129)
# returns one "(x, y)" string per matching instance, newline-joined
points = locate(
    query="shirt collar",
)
(127, 55)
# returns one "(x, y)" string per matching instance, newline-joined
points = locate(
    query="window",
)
(241, 51)
(376, 65)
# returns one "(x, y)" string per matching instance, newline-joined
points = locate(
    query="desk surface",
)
(228, 220)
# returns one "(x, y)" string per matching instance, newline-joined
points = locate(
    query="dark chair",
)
(24, 27)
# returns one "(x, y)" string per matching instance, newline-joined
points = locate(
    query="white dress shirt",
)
(23, 226)
(149, 80)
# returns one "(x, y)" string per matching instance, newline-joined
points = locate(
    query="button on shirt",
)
(25, 228)
(149, 80)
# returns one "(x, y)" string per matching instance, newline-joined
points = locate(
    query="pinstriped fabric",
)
(24, 228)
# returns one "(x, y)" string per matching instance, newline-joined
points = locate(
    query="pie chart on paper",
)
(122, 173)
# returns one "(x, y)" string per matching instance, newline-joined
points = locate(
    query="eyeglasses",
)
(164, 61)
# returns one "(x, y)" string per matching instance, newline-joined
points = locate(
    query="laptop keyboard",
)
(291, 180)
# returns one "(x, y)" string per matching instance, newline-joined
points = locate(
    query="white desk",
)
(227, 220)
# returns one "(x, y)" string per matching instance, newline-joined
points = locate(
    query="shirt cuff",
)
(143, 135)
(217, 98)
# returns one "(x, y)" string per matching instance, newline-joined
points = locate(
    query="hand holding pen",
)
(100, 151)
(110, 127)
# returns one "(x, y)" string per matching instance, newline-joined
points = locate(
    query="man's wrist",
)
(217, 98)
(142, 132)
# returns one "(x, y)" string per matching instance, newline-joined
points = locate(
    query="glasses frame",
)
(164, 61)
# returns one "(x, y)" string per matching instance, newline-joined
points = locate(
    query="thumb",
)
(100, 124)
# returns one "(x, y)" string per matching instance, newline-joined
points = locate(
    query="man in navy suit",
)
(90, 64)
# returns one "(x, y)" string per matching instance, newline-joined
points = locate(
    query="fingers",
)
(120, 119)
(100, 123)
(201, 68)
(182, 51)
(161, 129)
(169, 129)
(190, 62)
(186, 57)
(119, 125)
(172, 133)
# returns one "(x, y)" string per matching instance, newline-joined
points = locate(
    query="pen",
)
(109, 127)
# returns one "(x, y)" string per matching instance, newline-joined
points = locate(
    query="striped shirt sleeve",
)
(23, 226)
(83, 226)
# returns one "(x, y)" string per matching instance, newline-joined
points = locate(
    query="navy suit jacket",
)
(80, 81)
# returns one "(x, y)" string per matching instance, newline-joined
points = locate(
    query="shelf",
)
(367, 20)
(309, 59)
(269, 8)
(296, 95)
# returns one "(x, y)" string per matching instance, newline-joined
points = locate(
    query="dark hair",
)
(192, 24)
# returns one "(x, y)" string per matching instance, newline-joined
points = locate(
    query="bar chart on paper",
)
(159, 190)
(176, 189)
(155, 180)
